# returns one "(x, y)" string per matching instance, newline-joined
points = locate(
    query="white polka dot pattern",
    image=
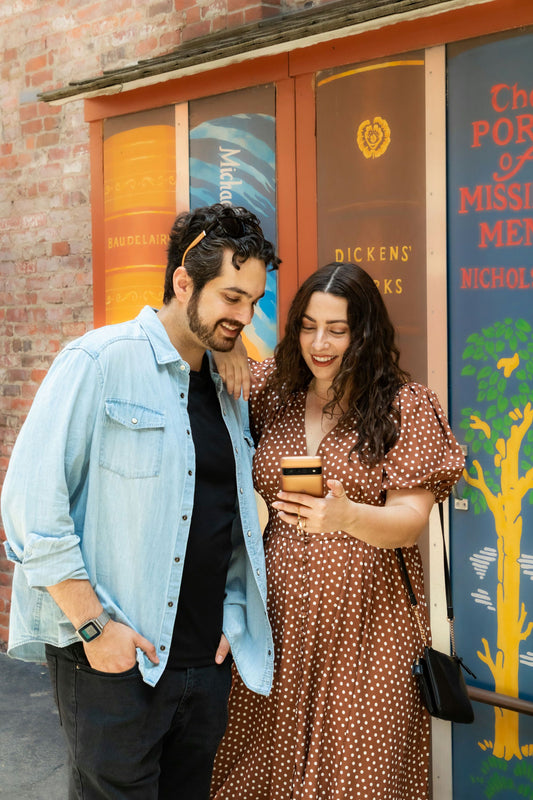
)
(344, 720)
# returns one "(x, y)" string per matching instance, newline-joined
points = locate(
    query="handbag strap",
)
(447, 585)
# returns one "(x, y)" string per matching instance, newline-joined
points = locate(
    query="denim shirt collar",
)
(164, 350)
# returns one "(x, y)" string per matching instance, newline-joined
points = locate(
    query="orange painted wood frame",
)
(293, 75)
(402, 36)
(286, 199)
(96, 144)
(263, 71)
(306, 175)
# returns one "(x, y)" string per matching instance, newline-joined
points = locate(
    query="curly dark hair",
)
(203, 262)
(369, 376)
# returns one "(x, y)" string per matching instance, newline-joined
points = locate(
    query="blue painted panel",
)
(232, 159)
(490, 249)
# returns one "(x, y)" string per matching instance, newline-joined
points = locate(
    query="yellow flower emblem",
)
(373, 138)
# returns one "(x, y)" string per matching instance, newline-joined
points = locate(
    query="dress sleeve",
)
(427, 453)
(260, 399)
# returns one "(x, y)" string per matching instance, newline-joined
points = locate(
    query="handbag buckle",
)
(417, 668)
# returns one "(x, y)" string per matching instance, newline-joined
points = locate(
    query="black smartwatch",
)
(93, 627)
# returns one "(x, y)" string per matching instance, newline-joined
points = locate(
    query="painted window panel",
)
(490, 226)
(232, 142)
(371, 185)
(231, 159)
(139, 209)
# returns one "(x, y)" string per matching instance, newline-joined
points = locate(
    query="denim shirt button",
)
(184, 517)
(248, 533)
(134, 421)
(162, 647)
(259, 572)
(177, 559)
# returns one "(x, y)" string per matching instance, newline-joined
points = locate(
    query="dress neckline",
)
(303, 411)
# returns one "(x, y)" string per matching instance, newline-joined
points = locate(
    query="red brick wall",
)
(45, 212)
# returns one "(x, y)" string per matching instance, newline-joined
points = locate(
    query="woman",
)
(344, 719)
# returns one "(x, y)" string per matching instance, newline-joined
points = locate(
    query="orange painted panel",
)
(129, 290)
(140, 168)
(136, 238)
(139, 209)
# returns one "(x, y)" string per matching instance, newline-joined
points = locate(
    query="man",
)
(130, 515)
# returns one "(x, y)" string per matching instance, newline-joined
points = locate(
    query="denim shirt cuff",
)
(48, 560)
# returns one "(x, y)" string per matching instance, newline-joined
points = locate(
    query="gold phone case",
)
(302, 474)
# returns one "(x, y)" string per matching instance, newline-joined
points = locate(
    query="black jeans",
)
(130, 740)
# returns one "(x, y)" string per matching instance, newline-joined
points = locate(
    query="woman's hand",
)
(234, 370)
(317, 514)
(398, 523)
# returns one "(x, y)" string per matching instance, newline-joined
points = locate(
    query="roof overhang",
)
(280, 34)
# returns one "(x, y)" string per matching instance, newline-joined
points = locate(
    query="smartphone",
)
(302, 474)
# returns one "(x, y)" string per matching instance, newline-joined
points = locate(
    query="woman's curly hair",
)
(369, 376)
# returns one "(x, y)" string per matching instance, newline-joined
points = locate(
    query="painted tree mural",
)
(499, 434)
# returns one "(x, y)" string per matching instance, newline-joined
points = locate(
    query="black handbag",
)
(439, 675)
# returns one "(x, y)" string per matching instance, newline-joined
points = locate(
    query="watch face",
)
(89, 631)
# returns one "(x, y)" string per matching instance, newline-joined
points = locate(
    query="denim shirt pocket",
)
(132, 439)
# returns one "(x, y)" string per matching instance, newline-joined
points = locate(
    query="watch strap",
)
(92, 628)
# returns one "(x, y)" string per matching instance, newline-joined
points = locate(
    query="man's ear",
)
(182, 285)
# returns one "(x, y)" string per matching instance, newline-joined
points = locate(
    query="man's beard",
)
(212, 338)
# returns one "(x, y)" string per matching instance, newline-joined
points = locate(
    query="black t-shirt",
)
(199, 616)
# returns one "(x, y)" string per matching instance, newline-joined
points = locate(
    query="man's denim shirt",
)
(100, 486)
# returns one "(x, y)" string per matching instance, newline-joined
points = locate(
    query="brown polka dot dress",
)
(344, 719)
